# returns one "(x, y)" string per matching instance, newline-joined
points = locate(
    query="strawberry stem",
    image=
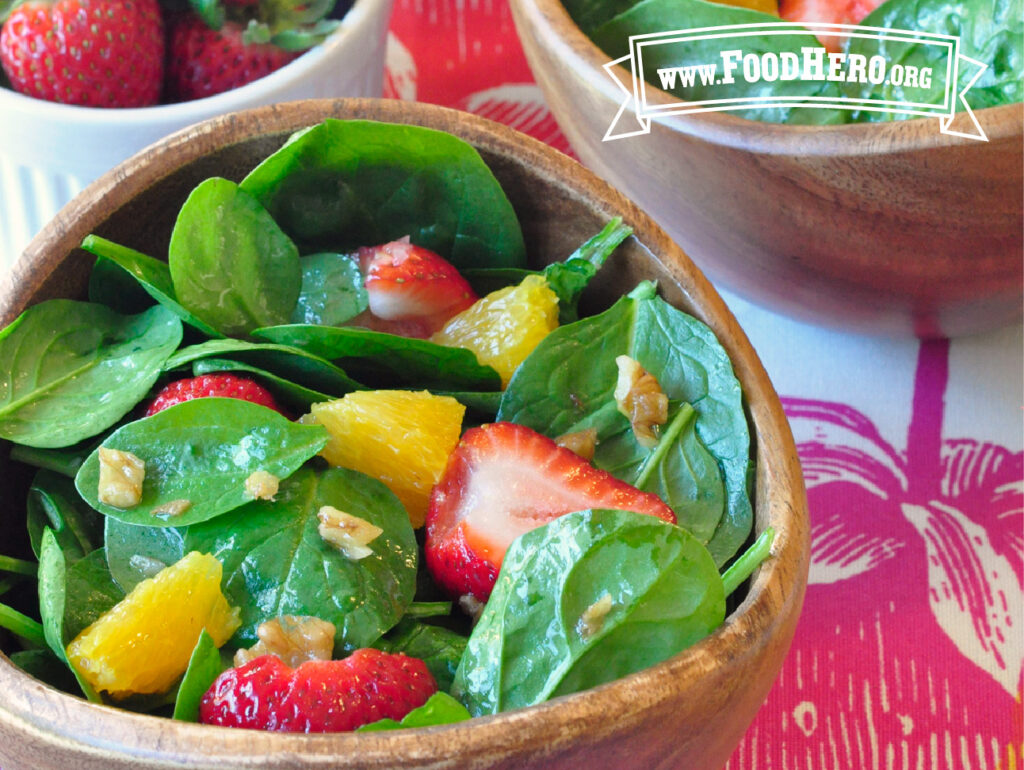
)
(683, 418)
(748, 561)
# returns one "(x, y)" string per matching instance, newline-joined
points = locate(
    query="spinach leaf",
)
(991, 32)
(45, 666)
(203, 668)
(482, 405)
(440, 648)
(548, 629)
(74, 369)
(344, 184)
(111, 285)
(202, 451)
(135, 553)
(288, 394)
(612, 36)
(567, 384)
(388, 356)
(332, 290)
(290, 363)
(440, 709)
(54, 504)
(152, 276)
(231, 265)
(276, 563)
(72, 595)
(64, 462)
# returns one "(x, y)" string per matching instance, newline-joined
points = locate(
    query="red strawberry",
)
(203, 61)
(412, 290)
(503, 480)
(97, 53)
(828, 12)
(320, 696)
(206, 385)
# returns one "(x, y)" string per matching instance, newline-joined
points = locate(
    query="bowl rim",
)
(356, 23)
(42, 714)
(561, 36)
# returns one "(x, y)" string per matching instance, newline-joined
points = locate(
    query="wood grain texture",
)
(687, 712)
(890, 228)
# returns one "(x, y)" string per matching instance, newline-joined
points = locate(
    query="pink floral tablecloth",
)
(908, 654)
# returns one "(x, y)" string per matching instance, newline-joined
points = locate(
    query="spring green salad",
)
(989, 31)
(343, 461)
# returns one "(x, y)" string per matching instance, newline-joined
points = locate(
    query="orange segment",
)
(401, 437)
(505, 326)
(143, 643)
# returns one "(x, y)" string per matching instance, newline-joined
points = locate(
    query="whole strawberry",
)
(207, 385)
(320, 696)
(96, 53)
(203, 61)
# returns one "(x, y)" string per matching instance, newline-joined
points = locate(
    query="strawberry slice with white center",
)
(827, 12)
(412, 291)
(503, 480)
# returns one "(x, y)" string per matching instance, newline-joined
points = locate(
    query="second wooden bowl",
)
(889, 228)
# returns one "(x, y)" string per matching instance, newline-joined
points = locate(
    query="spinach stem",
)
(21, 625)
(428, 609)
(750, 560)
(6, 585)
(18, 566)
(683, 418)
(63, 462)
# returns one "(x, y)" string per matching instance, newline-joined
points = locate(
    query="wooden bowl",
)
(888, 228)
(687, 712)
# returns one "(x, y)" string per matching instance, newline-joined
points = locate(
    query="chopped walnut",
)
(261, 485)
(172, 508)
(471, 606)
(582, 442)
(293, 638)
(349, 534)
(121, 477)
(592, 620)
(638, 396)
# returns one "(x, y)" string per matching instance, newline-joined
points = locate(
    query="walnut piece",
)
(592, 620)
(121, 477)
(582, 442)
(262, 485)
(172, 508)
(638, 396)
(293, 638)
(349, 534)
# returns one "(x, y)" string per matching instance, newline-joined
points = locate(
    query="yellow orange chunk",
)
(505, 326)
(143, 643)
(403, 438)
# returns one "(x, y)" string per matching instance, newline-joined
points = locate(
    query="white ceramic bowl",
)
(49, 152)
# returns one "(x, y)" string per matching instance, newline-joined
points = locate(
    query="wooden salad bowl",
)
(888, 228)
(689, 711)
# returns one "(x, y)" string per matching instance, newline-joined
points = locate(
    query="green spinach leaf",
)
(440, 709)
(54, 504)
(202, 451)
(152, 276)
(332, 290)
(440, 648)
(276, 563)
(564, 616)
(293, 364)
(203, 668)
(289, 394)
(74, 369)
(344, 184)
(567, 384)
(388, 356)
(231, 265)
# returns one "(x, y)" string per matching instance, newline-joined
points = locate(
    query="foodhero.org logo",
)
(872, 74)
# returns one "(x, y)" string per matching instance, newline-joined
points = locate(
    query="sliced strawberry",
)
(827, 12)
(319, 696)
(412, 291)
(207, 385)
(503, 480)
